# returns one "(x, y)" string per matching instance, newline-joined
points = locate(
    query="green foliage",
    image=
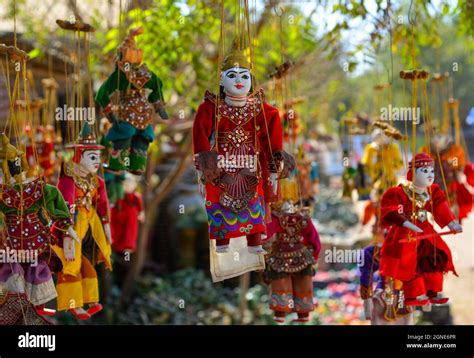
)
(189, 297)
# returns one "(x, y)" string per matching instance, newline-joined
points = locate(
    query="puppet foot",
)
(222, 249)
(302, 318)
(279, 319)
(419, 301)
(257, 250)
(43, 311)
(118, 159)
(80, 314)
(138, 159)
(94, 308)
(427, 307)
(439, 299)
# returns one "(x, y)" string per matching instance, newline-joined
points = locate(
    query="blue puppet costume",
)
(132, 130)
(386, 293)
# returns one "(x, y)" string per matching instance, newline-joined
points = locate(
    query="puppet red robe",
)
(464, 198)
(124, 220)
(236, 208)
(419, 264)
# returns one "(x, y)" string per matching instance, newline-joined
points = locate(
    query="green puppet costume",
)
(132, 130)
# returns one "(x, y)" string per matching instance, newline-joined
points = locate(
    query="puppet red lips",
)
(239, 85)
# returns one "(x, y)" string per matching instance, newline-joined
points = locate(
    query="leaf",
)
(36, 52)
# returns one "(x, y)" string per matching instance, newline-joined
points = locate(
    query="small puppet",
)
(85, 194)
(293, 246)
(126, 215)
(132, 130)
(29, 205)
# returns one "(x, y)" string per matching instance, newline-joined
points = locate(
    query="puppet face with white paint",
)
(129, 184)
(424, 176)
(236, 81)
(288, 207)
(441, 141)
(90, 160)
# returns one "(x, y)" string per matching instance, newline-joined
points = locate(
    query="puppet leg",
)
(121, 137)
(254, 239)
(39, 283)
(415, 292)
(303, 296)
(222, 245)
(139, 148)
(90, 283)
(69, 289)
(281, 298)
(254, 243)
(434, 286)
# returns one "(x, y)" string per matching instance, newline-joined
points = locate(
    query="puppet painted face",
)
(236, 81)
(90, 160)
(129, 184)
(424, 176)
(288, 207)
(441, 141)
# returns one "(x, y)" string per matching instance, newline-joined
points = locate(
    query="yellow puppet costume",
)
(382, 161)
(87, 198)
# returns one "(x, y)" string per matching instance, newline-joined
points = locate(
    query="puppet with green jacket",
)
(140, 97)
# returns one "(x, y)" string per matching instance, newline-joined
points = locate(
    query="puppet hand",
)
(73, 234)
(461, 177)
(454, 226)
(411, 226)
(283, 163)
(108, 233)
(207, 162)
(141, 216)
(69, 249)
(159, 107)
(368, 308)
(112, 117)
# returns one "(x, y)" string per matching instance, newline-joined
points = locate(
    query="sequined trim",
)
(240, 115)
(22, 200)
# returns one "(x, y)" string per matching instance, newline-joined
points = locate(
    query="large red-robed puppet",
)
(419, 263)
(239, 156)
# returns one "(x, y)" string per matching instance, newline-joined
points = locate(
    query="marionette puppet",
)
(45, 149)
(375, 155)
(414, 254)
(464, 188)
(384, 305)
(29, 205)
(132, 130)
(237, 146)
(126, 215)
(85, 194)
(452, 172)
(113, 179)
(451, 156)
(293, 246)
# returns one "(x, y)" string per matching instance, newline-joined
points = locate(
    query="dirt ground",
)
(461, 289)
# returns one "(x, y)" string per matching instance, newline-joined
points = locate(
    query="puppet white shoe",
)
(222, 249)
(257, 250)
(439, 299)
